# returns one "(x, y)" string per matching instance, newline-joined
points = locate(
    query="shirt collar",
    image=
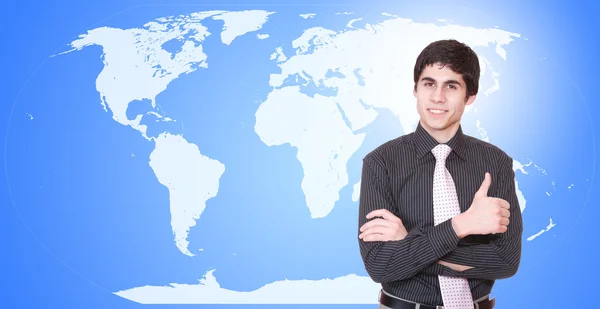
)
(424, 142)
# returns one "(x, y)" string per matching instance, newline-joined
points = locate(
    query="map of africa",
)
(361, 70)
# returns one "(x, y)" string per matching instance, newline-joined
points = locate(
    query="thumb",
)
(485, 186)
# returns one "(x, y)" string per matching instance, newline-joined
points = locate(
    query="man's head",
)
(446, 77)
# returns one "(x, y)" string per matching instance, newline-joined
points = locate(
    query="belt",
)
(395, 303)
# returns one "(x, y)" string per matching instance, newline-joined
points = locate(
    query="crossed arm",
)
(437, 250)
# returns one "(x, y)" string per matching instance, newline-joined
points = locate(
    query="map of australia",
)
(365, 68)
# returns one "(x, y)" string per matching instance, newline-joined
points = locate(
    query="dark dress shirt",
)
(398, 176)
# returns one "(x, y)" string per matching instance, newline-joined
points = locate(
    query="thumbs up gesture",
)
(486, 214)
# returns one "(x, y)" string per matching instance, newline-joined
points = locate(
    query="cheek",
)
(422, 99)
(459, 108)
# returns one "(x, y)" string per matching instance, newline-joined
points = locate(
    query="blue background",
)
(32, 278)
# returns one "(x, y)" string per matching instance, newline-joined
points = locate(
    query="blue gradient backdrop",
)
(105, 188)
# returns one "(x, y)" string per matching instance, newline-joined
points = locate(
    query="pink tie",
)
(456, 293)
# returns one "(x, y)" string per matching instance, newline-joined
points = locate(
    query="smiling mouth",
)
(436, 111)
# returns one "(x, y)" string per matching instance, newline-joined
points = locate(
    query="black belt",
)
(395, 303)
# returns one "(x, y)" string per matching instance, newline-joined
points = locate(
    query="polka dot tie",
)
(456, 293)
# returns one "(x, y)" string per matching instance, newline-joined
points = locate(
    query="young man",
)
(439, 218)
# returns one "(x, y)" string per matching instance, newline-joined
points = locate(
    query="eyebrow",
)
(448, 82)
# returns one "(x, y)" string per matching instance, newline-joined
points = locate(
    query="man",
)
(439, 219)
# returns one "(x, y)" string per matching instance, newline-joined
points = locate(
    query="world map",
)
(329, 87)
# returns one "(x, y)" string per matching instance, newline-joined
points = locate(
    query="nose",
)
(437, 95)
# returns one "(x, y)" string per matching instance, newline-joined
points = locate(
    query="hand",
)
(386, 229)
(486, 214)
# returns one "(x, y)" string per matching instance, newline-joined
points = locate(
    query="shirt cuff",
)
(443, 238)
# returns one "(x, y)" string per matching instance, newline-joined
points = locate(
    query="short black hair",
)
(457, 56)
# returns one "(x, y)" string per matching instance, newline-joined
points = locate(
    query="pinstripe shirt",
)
(398, 176)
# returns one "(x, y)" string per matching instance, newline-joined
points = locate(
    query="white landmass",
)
(307, 16)
(481, 132)
(495, 76)
(352, 289)
(376, 64)
(356, 192)
(520, 167)
(136, 67)
(316, 128)
(385, 54)
(349, 24)
(262, 36)
(517, 166)
(278, 55)
(534, 236)
(303, 43)
(191, 178)
(240, 23)
(543, 171)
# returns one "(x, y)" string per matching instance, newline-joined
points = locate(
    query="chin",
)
(438, 127)
(438, 124)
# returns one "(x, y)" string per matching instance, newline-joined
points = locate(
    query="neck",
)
(444, 135)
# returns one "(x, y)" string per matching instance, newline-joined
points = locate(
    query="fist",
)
(387, 228)
(487, 215)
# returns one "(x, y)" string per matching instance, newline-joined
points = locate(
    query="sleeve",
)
(397, 260)
(437, 270)
(498, 256)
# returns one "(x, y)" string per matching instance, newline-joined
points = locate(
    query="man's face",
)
(441, 99)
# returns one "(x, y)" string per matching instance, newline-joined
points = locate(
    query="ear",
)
(415, 91)
(471, 99)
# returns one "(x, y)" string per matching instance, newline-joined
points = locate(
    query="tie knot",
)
(441, 152)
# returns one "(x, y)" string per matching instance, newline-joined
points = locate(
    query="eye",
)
(453, 87)
(428, 84)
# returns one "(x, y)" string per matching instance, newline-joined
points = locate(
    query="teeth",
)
(436, 111)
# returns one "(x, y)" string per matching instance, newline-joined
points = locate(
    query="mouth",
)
(437, 111)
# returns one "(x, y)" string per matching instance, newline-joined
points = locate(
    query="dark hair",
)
(459, 57)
